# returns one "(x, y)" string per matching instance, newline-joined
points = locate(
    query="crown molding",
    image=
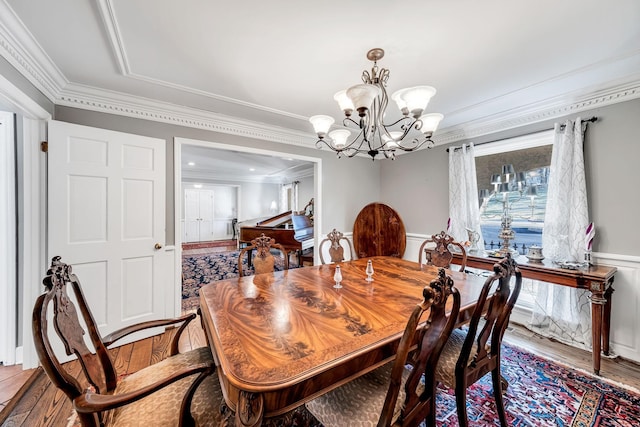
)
(112, 29)
(89, 98)
(116, 103)
(552, 108)
(19, 48)
(107, 11)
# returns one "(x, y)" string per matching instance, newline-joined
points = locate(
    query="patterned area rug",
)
(540, 393)
(202, 269)
(544, 393)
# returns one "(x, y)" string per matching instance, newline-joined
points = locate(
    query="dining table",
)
(280, 339)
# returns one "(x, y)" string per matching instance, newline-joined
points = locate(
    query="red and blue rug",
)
(540, 393)
(544, 393)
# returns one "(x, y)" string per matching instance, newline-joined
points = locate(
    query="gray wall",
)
(305, 191)
(19, 81)
(347, 184)
(416, 184)
(256, 198)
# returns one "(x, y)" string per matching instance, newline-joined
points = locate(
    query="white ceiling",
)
(212, 64)
(203, 164)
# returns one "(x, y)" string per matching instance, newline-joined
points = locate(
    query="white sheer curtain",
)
(559, 311)
(464, 209)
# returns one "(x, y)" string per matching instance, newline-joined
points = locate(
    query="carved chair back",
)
(98, 368)
(110, 401)
(336, 248)
(478, 353)
(420, 402)
(437, 251)
(263, 261)
(402, 392)
(496, 318)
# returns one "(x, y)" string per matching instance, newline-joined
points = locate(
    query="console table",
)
(597, 279)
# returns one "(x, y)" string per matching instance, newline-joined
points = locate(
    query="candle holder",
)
(587, 258)
(504, 185)
(337, 276)
(369, 271)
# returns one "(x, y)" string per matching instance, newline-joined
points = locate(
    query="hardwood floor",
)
(43, 405)
(11, 379)
(618, 370)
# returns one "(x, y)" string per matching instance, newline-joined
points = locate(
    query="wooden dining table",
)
(282, 339)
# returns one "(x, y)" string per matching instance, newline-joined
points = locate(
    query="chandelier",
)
(410, 132)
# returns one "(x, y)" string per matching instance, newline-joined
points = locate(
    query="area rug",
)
(544, 393)
(540, 393)
(202, 269)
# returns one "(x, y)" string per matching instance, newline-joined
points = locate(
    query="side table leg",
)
(606, 325)
(598, 301)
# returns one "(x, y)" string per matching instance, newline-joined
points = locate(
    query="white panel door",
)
(106, 195)
(198, 215)
(191, 216)
(206, 215)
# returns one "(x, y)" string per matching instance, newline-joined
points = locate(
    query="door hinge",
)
(44, 146)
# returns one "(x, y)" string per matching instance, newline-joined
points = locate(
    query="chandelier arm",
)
(374, 136)
(346, 120)
(407, 122)
(416, 144)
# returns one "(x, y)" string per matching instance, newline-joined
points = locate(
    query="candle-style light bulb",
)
(369, 271)
(337, 276)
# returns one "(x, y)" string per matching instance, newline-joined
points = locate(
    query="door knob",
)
(158, 246)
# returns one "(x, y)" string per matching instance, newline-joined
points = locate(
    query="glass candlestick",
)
(369, 271)
(337, 276)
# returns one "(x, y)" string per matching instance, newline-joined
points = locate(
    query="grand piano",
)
(293, 231)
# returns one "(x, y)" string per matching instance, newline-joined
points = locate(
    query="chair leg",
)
(430, 420)
(504, 383)
(461, 404)
(497, 393)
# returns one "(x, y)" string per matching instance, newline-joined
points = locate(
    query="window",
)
(530, 155)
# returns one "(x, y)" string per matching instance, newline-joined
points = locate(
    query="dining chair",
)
(473, 352)
(401, 392)
(336, 248)
(263, 261)
(437, 251)
(177, 391)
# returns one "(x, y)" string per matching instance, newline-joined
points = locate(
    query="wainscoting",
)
(625, 315)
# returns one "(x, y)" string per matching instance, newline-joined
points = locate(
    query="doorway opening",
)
(221, 187)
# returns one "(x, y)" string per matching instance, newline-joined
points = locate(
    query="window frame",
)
(538, 139)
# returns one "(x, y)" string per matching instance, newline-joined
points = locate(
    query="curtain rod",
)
(585, 121)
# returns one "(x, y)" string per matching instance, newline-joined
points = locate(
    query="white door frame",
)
(8, 205)
(178, 143)
(33, 209)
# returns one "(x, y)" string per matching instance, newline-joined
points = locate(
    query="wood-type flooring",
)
(44, 405)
